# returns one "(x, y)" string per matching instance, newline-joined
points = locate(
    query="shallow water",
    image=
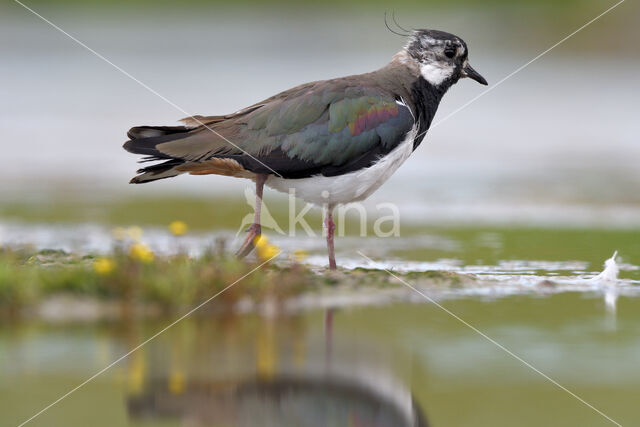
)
(396, 363)
(517, 258)
(402, 361)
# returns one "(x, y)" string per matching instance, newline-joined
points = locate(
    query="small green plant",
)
(137, 276)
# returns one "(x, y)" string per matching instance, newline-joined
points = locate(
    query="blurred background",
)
(554, 144)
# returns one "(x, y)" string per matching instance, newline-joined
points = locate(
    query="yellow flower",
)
(134, 233)
(119, 233)
(141, 252)
(299, 255)
(104, 266)
(178, 228)
(269, 252)
(265, 249)
(261, 241)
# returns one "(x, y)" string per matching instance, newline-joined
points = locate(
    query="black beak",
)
(468, 71)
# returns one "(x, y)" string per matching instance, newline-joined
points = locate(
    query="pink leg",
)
(254, 230)
(331, 227)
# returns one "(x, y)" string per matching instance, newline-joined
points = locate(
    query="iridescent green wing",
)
(327, 128)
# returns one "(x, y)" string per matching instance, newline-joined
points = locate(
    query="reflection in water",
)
(382, 360)
(611, 304)
(301, 391)
(281, 401)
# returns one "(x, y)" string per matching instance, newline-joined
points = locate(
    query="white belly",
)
(350, 187)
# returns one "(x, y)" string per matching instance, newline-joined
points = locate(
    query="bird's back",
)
(327, 128)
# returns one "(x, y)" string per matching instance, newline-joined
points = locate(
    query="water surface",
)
(385, 361)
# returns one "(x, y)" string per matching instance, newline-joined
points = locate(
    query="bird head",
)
(441, 57)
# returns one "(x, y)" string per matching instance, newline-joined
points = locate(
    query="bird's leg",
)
(254, 230)
(331, 227)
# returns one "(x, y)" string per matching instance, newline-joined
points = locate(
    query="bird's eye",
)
(450, 52)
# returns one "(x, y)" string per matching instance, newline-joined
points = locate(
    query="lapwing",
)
(329, 142)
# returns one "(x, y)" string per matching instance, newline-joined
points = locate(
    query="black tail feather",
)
(161, 167)
(139, 132)
(156, 172)
(144, 139)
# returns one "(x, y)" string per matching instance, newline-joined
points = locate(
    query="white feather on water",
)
(609, 277)
(610, 272)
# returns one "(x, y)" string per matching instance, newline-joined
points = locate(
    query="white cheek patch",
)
(436, 73)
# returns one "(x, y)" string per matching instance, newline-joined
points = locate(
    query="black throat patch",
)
(427, 98)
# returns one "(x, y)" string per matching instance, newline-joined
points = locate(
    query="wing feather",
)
(329, 127)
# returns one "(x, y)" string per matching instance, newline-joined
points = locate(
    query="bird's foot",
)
(248, 245)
